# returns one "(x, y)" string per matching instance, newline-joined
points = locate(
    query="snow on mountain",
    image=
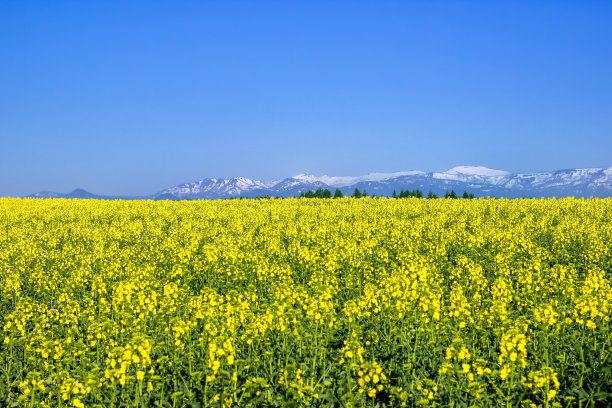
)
(306, 178)
(205, 187)
(605, 177)
(343, 181)
(548, 179)
(477, 171)
(479, 180)
(474, 174)
(297, 183)
(576, 176)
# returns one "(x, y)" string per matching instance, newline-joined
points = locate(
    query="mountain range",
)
(480, 181)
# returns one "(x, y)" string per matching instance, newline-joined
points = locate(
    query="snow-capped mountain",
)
(473, 174)
(479, 180)
(340, 181)
(210, 187)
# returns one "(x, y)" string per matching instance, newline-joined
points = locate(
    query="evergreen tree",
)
(318, 193)
(453, 194)
(338, 193)
(326, 193)
(309, 194)
(466, 195)
(365, 193)
(301, 194)
(471, 195)
(357, 193)
(402, 194)
(446, 194)
(394, 195)
(418, 193)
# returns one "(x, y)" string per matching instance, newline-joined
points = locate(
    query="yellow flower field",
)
(306, 302)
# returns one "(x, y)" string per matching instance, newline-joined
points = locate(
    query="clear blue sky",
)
(129, 97)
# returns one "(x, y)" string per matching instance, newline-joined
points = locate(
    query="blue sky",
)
(129, 97)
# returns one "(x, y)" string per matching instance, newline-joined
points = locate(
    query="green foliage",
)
(452, 194)
(319, 193)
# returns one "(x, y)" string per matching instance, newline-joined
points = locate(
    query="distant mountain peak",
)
(477, 171)
(343, 181)
(480, 180)
(306, 177)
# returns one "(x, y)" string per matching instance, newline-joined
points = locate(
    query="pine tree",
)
(338, 193)
(365, 193)
(466, 195)
(394, 195)
(453, 194)
(357, 193)
(418, 193)
(326, 193)
(471, 195)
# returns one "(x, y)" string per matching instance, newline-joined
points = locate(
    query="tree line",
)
(326, 193)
